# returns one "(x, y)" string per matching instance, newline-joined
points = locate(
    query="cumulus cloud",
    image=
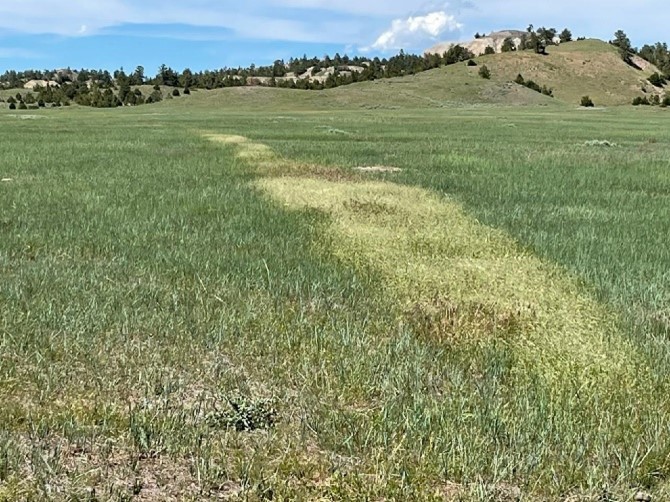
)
(414, 30)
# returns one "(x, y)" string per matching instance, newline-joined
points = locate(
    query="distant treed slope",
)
(571, 70)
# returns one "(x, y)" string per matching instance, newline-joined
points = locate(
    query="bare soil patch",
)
(378, 169)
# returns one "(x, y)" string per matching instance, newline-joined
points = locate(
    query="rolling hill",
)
(572, 70)
(575, 69)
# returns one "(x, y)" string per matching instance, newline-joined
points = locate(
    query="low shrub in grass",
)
(547, 91)
(640, 100)
(245, 414)
(657, 80)
(485, 73)
(587, 102)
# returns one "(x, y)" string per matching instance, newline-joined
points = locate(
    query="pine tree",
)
(565, 36)
(622, 41)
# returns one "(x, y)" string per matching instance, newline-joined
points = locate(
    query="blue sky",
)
(202, 34)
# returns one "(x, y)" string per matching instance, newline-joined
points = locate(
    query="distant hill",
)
(576, 69)
(571, 70)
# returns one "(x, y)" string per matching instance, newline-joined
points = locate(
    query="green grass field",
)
(204, 299)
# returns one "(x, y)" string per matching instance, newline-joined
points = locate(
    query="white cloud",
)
(415, 30)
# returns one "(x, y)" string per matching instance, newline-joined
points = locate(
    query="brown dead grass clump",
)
(443, 321)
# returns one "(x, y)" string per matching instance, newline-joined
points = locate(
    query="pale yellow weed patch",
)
(471, 281)
(245, 149)
(425, 246)
(229, 139)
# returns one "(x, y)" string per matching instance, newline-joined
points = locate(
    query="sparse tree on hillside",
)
(524, 43)
(137, 78)
(489, 50)
(167, 76)
(565, 36)
(659, 55)
(155, 97)
(508, 45)
(186, 79)
(531, 40)
(546, 36)
(657, 80)
(105, 79)
(535, 43)
(622, 41)
(139, 97)
(83, 76)
(587, 102)
(456, 54)
(279, 68)
(123, 82)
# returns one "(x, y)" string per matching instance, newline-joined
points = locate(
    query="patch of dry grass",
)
(425, 246)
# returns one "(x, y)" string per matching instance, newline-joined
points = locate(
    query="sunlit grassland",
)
(149, 275)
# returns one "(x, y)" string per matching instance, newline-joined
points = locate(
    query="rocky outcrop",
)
(33, 84)
(479, 45)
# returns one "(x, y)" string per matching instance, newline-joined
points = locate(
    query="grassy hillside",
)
(575, 69)
(441, 88)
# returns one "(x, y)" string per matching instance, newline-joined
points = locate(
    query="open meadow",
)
(206, 299)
